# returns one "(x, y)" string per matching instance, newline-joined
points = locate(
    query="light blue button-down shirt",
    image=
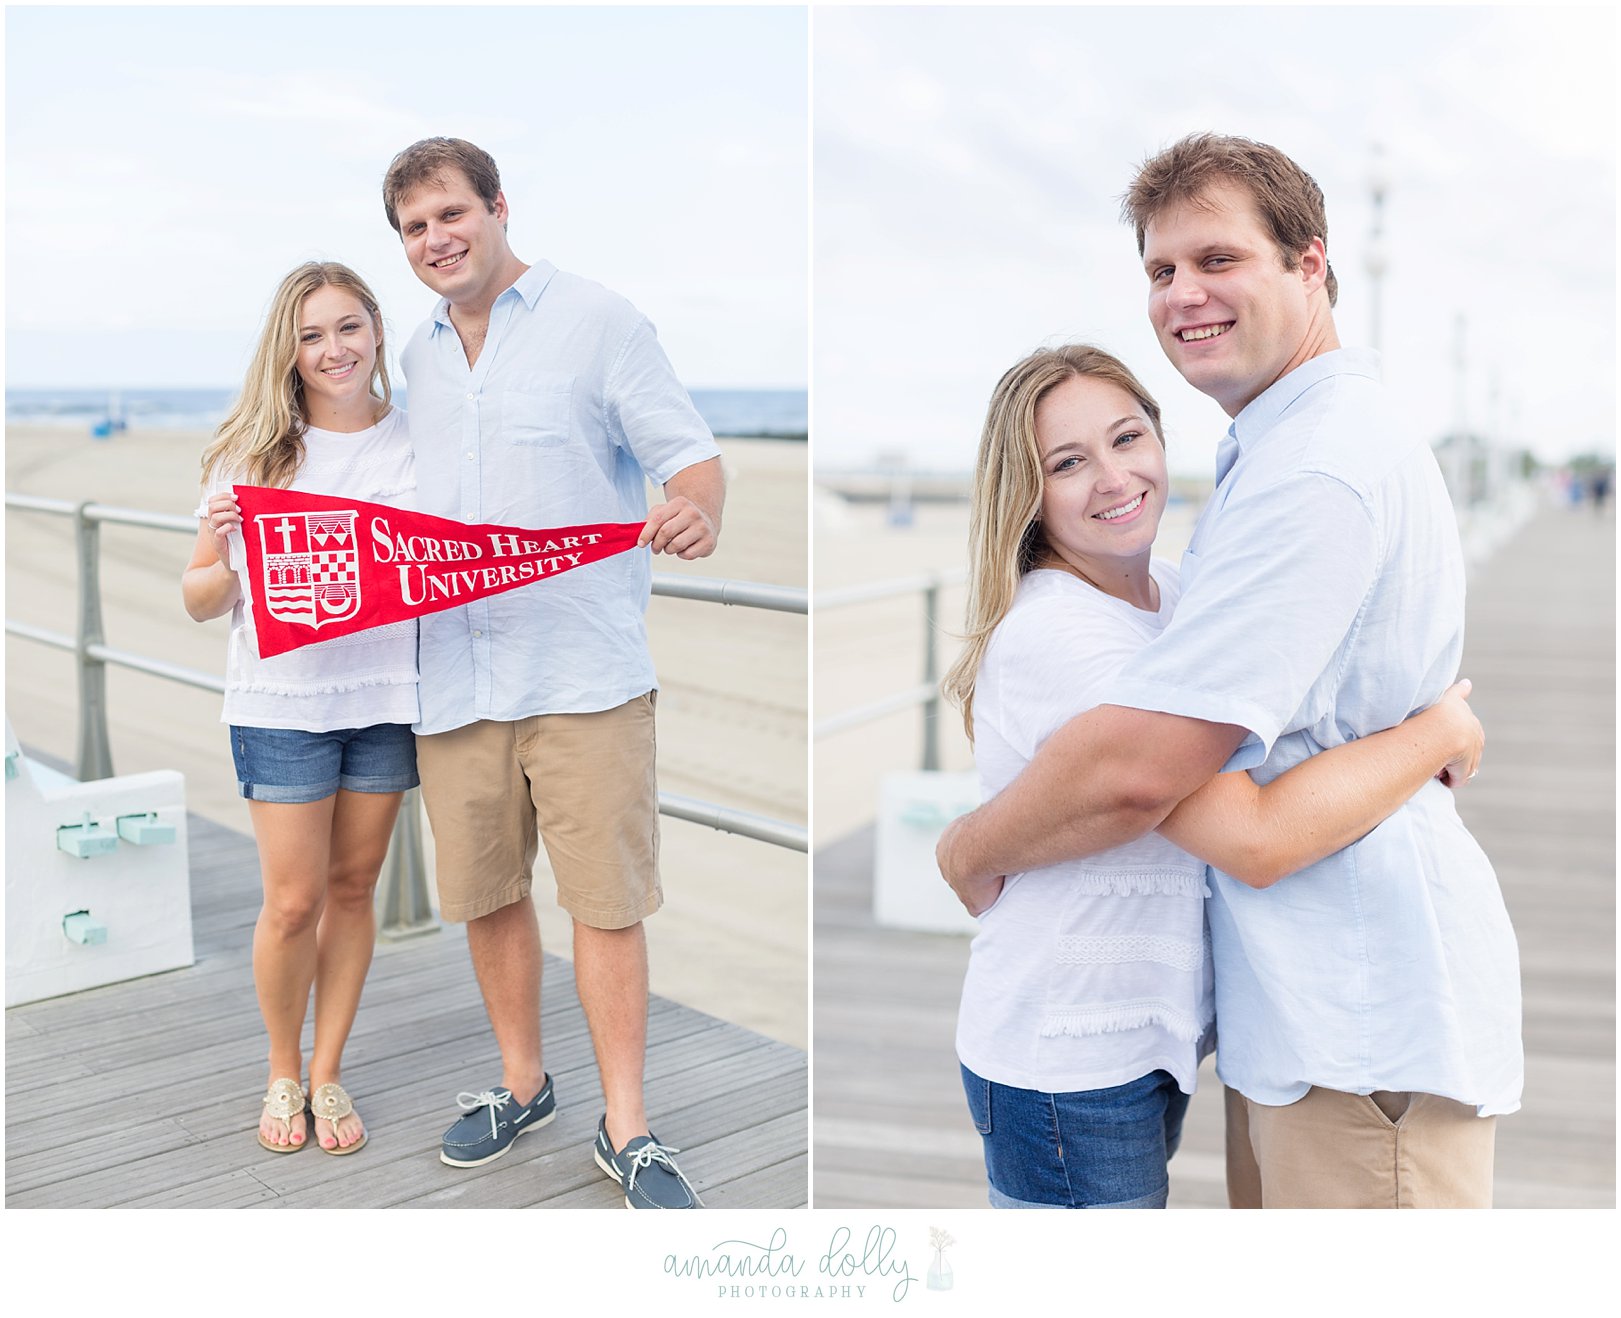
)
(1322, 601)
(570, 409)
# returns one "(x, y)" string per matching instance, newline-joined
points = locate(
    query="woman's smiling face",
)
(337, 347)
(1103, 474)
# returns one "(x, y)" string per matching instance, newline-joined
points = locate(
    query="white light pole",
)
(1462, 458)
(1378, 259)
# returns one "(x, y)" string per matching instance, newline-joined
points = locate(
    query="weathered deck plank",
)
(179, 1057)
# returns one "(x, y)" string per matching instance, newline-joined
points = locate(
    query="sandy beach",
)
(731, 939)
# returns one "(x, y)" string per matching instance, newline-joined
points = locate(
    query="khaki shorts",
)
(583, 783)
(1337, 1150)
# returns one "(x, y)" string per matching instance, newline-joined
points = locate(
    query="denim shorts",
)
(291, 767)
(1098, 1148)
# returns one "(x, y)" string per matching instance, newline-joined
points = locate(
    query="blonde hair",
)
(1004, 536)
(263, 435)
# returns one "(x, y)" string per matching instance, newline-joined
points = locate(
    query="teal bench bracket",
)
(87, 839)
(11, 764)
(80, 928)
(927, 814)
(144, 830)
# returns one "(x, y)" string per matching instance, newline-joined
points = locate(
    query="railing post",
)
(95, 752)
(931, 675)
(404, 886)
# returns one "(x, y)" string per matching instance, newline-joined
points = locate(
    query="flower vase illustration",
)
(939, 1270)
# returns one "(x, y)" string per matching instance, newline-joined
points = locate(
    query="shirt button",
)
(469, 457)
(471, 397)
(478, 634)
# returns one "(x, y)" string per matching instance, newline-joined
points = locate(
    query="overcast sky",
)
(166, 166)
(969, 164)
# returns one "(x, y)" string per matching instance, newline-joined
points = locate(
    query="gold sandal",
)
(284, 1102)
(330, 1103)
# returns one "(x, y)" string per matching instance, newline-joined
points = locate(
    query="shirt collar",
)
(532, 282)
(1263, 411)
(529, 286)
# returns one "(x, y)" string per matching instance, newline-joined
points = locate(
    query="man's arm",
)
(656, 422)
(687, 524)
(1104, 778)
(1259, 835)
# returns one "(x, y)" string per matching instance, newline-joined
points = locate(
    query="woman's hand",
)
(224, 517)
(1463, 732)
(208, 585)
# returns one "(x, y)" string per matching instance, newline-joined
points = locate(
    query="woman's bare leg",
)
(294, 844)
(361, 824)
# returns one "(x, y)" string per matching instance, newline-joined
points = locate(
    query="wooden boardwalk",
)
(891, 1128)
(146, 1094)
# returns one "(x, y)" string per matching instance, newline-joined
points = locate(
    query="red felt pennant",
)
(322, 567)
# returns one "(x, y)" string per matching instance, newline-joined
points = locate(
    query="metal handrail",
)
(406, 908)
(714, 590)
(924, 693)
(103, 512)
(726, 820)
(927, 692)
(877, 590)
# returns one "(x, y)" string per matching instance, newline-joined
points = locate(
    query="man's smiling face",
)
(456, 245)
(1229, 314)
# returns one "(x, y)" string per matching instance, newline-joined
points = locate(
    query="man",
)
(1368, 1007)
(541, 399)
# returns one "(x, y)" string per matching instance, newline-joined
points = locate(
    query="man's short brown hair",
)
(1287, 199)
(430, 161)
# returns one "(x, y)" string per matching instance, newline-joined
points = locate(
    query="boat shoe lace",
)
(494, 1099)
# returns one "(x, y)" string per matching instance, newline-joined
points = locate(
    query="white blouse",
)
(351, 681)
(1094, 972)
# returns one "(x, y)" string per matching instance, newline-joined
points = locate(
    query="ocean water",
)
(768, 413)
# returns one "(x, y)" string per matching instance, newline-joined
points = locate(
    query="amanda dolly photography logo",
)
(848, 1265)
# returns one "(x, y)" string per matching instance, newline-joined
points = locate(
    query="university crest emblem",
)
(311, 566)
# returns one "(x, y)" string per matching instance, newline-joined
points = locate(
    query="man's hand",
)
(679, 527)
(976, 894)
(688, 523)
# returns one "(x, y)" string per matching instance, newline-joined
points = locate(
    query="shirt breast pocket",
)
(538, 415)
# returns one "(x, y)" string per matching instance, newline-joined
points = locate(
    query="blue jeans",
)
(291, 767)
(1099, 1148)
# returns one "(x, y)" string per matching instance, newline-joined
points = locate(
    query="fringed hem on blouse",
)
(1116, 1017)
(332, 688)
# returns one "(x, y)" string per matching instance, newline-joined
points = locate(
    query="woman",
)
(322, 735)
(1088, 1001)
